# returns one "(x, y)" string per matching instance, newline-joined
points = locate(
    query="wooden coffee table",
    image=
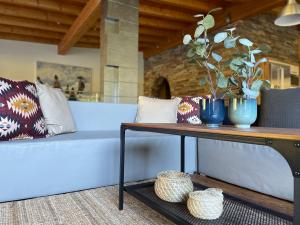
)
(285, 141)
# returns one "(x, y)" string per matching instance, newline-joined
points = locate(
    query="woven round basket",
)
(173, 186)
(207, 204)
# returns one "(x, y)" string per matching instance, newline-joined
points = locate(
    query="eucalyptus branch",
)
(210, 50)
(245, 79)
(211, 88)
(213, 91)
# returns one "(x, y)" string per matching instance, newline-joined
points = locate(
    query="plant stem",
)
(211, 84)
(211, 87)
(213, 91)
(210, 50)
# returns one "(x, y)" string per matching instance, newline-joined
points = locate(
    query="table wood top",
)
(258, 132)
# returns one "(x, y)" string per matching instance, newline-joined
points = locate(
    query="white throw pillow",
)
(152, 110)
(56, 110)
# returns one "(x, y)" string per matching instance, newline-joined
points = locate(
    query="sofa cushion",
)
(21, 116)
(85, 159)
(56, 110)
(188, 110)
(153, 110)
(109, 116)
(280, 108)
(90, 135)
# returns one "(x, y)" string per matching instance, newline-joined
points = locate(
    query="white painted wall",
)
(18, 59)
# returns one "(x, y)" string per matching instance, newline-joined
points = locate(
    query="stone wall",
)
(184, 77)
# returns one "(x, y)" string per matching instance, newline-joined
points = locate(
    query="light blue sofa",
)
(259, 168)
(88, 158)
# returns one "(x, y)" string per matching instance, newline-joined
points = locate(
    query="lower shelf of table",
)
(236, 211)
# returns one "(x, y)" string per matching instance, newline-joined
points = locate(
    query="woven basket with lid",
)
(173, 186)
(207, 204)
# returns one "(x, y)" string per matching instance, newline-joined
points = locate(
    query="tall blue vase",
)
(212, 112)
(242, 112)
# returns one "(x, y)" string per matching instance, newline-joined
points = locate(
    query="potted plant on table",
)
(242, 86)
(201, 51)
(245, 83)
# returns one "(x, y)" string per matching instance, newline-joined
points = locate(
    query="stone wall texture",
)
(183, 76)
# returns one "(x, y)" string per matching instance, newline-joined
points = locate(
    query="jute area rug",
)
(91, 207)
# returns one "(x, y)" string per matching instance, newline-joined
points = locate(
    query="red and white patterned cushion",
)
(188, 110)
(20, 112)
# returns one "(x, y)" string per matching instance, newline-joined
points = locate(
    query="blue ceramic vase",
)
(242, 112)
(212, 112)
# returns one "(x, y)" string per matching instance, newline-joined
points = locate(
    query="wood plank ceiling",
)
(162, 23)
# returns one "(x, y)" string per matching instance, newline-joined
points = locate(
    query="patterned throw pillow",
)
(188, 110)
(20, 112)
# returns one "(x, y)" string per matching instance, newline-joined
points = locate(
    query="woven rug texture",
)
(91, 207)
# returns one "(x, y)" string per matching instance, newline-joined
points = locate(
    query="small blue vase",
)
(212, 112)
(242, 112)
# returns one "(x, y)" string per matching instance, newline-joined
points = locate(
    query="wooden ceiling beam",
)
(195, 5)
(33, 15)
(85, 20)
(50, 5)
(154, 31)
(32, 23)
(77, 1)
(89, 39)
(234, 13)
(162, 24)
(24, 12)
(250, 8)
(30, 32)
(87, 45)
(149, 39)
(19, 37)
(37, 24)
(163, 12)
(42, 33)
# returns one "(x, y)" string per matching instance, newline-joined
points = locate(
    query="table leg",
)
(291, 152)
(182, 153)
(122, 162)
(296, 200)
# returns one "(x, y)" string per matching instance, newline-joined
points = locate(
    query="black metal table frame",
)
(290, 150)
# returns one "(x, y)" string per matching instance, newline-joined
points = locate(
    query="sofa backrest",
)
(101, 116)
(280, 108)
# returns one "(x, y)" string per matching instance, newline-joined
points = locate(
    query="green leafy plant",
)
(246, 79)
(201, 51)
(246, 74)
